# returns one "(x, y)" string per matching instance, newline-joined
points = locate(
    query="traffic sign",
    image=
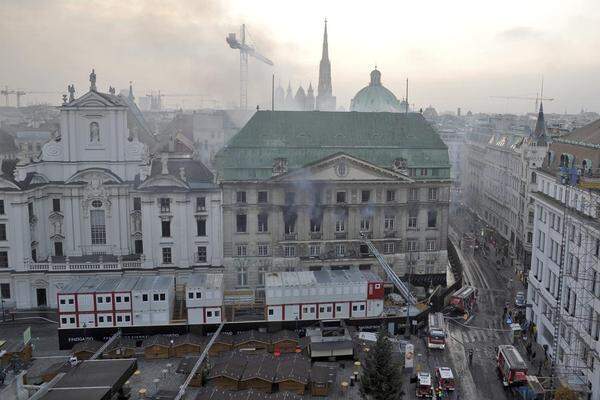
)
(509, 320)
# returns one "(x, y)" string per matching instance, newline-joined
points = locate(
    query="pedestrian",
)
(470, 357)
(533, 355)
(539, 369)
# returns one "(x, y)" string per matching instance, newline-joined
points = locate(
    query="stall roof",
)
(293, 367)
(158, 340)
(231, 365)
(260, 366)
(251, 336)
(92, 380)
(322, 372)
(205, 281)
(189, 338)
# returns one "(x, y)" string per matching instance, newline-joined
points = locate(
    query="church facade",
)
(102, 197)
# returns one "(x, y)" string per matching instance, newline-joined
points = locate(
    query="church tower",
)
(325, 99)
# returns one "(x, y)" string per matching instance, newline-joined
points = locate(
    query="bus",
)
(436, 333)
(464, 299)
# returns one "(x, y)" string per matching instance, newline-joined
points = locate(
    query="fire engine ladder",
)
(183, 388)
(402, 288)
(106, 345)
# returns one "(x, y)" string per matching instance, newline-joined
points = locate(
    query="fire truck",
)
(512, 369)
(424, 385)
(445, 379)
(464, 299)
(436, 334)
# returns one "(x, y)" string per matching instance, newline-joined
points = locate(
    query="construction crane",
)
(18, 93)
(245, 51)
(537, 99)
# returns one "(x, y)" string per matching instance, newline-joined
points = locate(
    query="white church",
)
(103, 197)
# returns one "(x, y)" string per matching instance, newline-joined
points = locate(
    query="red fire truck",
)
(464, 299)
(445, 379)
(436, 332)
(512, 369)
(424, 385)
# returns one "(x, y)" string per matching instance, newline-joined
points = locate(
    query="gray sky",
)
(455, 53)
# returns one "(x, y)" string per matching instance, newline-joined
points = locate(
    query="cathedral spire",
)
(539, 133)
(325, 99)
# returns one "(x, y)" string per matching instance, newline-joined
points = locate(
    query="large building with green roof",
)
(299, 187)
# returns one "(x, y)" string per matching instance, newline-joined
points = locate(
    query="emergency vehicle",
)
(464, 299)
(512, 369)
(424, 386)
(445, 378)
(436, 333)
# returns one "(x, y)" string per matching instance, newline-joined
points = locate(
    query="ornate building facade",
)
(102, 197)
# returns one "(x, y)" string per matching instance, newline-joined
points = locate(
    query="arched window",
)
(533, 177)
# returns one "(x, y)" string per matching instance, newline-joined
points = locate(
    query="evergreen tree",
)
(382, 376)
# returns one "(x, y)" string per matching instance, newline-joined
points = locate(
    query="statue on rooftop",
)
(71, 89)
(93, 81)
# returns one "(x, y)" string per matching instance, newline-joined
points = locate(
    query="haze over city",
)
(456, 54)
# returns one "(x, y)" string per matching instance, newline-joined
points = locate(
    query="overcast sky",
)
(455, 53)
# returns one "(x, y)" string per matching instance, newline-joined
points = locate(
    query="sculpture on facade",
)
(93, 81)
(94, 132)
(71, 89)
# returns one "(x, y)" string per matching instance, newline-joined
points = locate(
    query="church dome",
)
(375, 97)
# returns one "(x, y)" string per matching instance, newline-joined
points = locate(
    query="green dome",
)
(375, 97)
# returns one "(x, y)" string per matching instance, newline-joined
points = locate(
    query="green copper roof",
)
(307, 137)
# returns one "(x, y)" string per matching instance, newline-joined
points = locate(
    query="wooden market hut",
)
(157, 346)
(223, 343)
(122, 347)
(251, 341)
(285, 341)
(259, 373)
(188, 344)
(293, 373)
(322, 378)
(86, 349)
(214, 393)
(226, 371)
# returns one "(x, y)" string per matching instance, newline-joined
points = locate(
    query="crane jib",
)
(402, 288)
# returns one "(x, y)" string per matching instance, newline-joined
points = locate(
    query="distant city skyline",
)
(454, 55)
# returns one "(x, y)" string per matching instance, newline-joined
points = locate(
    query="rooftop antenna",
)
(406, 110)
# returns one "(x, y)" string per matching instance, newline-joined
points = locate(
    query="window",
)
(290, 224)
(290, 198)
(62, 301)
(165, 204)
(137, 204)
(411, 245)
(270, 311)
(190, 295)
(98, 227)
(340, 225)
(127, 318)
(241, 250)
(263, 223)
(56, 205)
(201, 254)
(101, 299)
(529, 237)
(240, 197)
(388, 222)
(432, 194)
(71, 301)
(340, 250)
(165, 228)
(431, 244)
(530, 217)
(72, 320)
(2, 231)
(125, 299)
(117, 299)
(63, 320)
(101, 319)
(413, 194)
(144, 297)
(119, 318)
(3, 259)
(198, 295)
(200, 203)
(365, 196)
(541, 240)
(2, 210)
(315, 250)
(163, 297)
(166, 255)
(242, 275)
(241, 224)
(263, 250)
(263, 197)
(412, 219)
(155, 297)
(201, 227)
(365, 224)
(209, 314)
(390, 195)
(423, 171)
(340, 197)
(388, 248)
(289, 251)
(4, 290)
(138, 245)
(315, 224)
(262, 270)
(431, 219)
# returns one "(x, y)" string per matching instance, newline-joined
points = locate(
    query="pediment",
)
(164, 181)
(94, 175)
(343, 167)
(95, 100)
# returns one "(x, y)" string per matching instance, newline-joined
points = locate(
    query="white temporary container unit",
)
(310, 295)
(67, 306)
(204, 298)
(153, 300)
